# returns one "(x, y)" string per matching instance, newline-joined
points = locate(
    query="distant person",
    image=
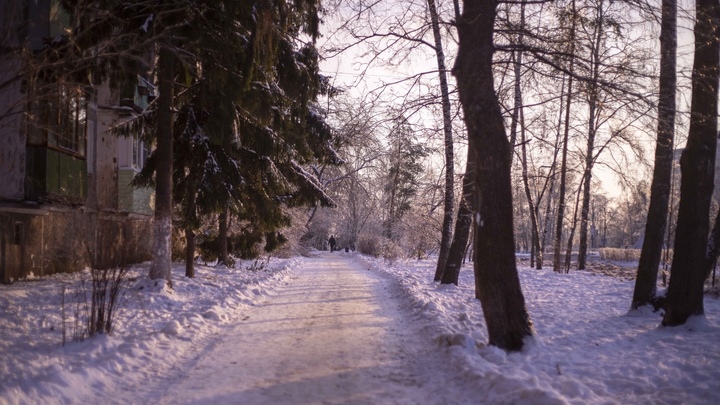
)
(332, 243)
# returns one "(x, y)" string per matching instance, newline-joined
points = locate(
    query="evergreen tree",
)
(402, 183)
(246, 120)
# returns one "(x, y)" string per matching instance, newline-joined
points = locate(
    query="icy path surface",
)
(335, 334)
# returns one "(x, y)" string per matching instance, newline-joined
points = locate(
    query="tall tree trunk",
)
(562, 187)
(162, 260)
(697, 165)
(557, 242)
(568, 251)
(547, 227)
(496, 277)
(593, 106)
(463, 225)
(532, 205)
(190, 222)
(518, 117)
(189, 252)
(713, 245)
(548, 221)
(517, 99)
(449, 203)
(646, 281)
(223, 237)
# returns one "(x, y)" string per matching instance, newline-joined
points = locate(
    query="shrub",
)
(620, 255)
(370, 245)
(391, 251)
(109, 247)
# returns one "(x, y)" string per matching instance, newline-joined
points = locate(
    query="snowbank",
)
(588, 348)
(158, 328)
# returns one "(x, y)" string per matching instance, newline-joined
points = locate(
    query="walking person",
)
(332, 243)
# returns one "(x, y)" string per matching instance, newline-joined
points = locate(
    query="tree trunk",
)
(713, 245)
(547, 226)
(162, 261)
(557, 242)
(562, 187)
(568, 252)
(496, 277)
(189, 252)
(593, 106)
(462, 228)
(517, 99)
(532, 206)
(449, 203)
(223, 237)
(646, 282)
(190, 221)
(697, 165)
(548, 221)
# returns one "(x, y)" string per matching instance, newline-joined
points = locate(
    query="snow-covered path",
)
(335, 334)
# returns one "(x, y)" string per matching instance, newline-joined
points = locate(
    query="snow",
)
(146, 25)
(345, 328)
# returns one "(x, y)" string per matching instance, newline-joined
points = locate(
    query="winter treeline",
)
(546, 96)
(234, 121)
(477, 126)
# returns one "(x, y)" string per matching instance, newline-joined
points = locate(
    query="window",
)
(71, 118)
(59, 120)
(140, 154)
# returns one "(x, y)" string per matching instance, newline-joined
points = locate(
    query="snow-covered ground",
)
(588, 348)
(157, 330)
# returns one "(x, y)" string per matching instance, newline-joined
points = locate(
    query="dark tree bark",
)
(571, 237)
(463, 225)
(593, 107)
(713, 246)
(532, 204)
(557, 242)
(162, 264)
(547, 223)
(562, 187)
(223, 237)
(517, 99)
(646, 281)
(189, 253)
(496, 277)
(190, 226)
(697, 165)
(518, 117)
(449, 202)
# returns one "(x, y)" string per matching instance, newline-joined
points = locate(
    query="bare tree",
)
(646, 282)
(449, 197)
(497, 283)
(697, 164)
(557, 242)
(463, 226)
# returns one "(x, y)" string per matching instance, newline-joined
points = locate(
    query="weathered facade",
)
(64, 177)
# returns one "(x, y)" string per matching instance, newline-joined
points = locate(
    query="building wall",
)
(42, 242)
(12, 136)
(41, 230)
(131, 199)
(12, 152)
